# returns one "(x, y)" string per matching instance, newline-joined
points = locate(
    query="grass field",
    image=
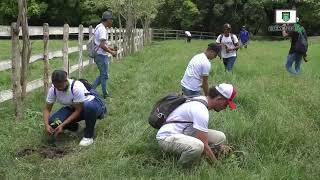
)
(277, 121)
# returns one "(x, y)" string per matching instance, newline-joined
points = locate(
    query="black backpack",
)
(165, 106)
(301, 45)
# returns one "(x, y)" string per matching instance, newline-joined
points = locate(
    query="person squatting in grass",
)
(230, 44)
(79, 104)
(298, 49)
(191, 140)
(101, 57)
(197, 72)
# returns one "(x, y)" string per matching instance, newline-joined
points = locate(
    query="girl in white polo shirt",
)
(79, 104)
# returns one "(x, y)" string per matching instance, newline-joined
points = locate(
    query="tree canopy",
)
(202, 15)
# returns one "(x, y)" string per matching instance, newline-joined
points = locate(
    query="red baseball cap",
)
(229, 92)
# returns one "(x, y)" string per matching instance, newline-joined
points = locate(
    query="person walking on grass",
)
(298, 49)
(188, 36)
(101, 57)
(197, 72)
(186, 131)
(78, 104)
(230, 44)
(244, 37)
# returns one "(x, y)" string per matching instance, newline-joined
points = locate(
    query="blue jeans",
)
(228, 63)
(91, 111)
(102, 63)
(297, 59)
(188, 92)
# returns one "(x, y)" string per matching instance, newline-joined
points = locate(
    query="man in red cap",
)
(186, 129)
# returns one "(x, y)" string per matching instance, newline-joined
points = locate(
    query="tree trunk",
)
(46, 57)
(90, 35)
(26, 49)
(65, 48)
(80, 40)
(16, 69)
(119, 19)
(129, 33)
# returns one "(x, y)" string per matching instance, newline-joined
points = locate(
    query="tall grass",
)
(276, 122)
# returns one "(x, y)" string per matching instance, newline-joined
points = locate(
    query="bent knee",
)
(197, 148)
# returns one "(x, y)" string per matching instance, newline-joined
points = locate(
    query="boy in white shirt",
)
(230, 44)
(197, 72)
(101, 58)
(192, 138)
(79, 104)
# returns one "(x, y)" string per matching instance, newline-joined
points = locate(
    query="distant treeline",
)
(198, 15)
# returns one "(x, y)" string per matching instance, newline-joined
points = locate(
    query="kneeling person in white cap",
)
(188, 133)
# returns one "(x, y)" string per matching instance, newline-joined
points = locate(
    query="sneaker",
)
(86, 141)
(106, 96)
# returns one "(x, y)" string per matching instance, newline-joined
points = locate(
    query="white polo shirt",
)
(193, 111)
(198, 66)
(66, 98)
(187, 33)
(228, 42)
(100, 34)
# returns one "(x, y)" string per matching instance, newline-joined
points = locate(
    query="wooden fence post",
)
(46, 57)
(80, 46)
(26, 47)
(111, 40)
(16, 70)
(65, 48)
(164, 34)
(90, 35)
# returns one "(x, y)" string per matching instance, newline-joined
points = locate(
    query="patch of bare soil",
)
(50, 152)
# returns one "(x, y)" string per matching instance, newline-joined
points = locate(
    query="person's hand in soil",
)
(58, 130)
(225, 149)
(49, 129)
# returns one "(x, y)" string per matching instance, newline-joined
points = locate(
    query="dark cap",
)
(212, 46)
(107, 15)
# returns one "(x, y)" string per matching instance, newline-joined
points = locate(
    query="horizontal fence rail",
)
(116, 38)
(4, 65)
(35, 84)
(178, 34)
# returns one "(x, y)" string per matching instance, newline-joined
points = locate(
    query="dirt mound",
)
(50, 152)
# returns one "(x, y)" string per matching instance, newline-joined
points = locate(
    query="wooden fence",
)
(116, 38)
(164, 34)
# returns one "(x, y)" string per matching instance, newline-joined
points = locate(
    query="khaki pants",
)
(190, 147)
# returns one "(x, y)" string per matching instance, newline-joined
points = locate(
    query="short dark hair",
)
(214, 47)
(213, 92)
(59, 76)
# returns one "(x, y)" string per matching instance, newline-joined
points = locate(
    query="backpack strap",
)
(189, 99)
(55, 90)
(220, 39)
(230, 34)
(72, 84)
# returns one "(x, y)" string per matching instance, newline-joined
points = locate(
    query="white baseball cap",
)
(229, 92)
